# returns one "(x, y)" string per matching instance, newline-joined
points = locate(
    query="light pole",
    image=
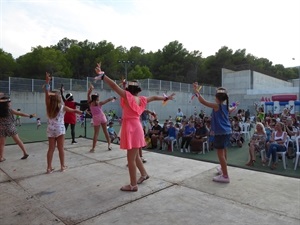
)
(298, 80)
(125, 63)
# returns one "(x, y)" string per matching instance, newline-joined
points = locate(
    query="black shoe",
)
(25, 156)
(74, 142)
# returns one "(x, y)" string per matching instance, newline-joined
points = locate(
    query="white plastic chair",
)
(205, 145)
(173, 142)
(283, 155)
(245, 127)
(297, 152)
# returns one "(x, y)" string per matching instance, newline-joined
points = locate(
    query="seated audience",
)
(189, 131)
(277, 144)
(236, 136)
(200, 136)
(154, 133)
(257, 143)
(163, 134)
(171, 135)
(112, 133)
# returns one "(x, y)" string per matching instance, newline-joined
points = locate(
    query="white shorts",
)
(56, 131)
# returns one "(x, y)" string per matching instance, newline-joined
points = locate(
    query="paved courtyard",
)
(179, 191)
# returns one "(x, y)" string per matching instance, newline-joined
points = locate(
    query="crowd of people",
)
(273, 134)
(140, 128)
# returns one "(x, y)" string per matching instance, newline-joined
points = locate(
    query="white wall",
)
(236, 82)
(264, 82)
(34, 102)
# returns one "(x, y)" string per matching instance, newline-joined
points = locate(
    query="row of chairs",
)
(205, 146)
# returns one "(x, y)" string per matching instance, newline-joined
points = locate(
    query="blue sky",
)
(265, 28)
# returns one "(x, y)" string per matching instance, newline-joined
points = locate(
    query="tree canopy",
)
(76, 59)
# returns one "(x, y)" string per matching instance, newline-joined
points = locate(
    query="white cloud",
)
(269, 29)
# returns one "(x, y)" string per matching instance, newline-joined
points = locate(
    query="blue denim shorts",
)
(221, 141)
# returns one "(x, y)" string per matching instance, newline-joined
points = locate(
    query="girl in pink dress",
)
(99, 117)
(132, 134)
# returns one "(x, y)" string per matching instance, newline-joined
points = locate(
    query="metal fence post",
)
(9, 85)
(52, 83)
(148, 83)
(87, 83)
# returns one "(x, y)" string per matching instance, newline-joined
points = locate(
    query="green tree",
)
(40, 60)
(64, 44)
(139, 73)
(7, 65)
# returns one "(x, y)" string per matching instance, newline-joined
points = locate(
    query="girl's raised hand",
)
(195, 86)
(91, 87)
(48, 78)
(98, 69)
(171, 97)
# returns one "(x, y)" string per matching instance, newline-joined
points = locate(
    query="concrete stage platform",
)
(179, 192)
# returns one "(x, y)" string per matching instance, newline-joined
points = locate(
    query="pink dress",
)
(132, 134)
(98, 115)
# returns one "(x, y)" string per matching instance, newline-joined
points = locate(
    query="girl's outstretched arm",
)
(107, 100)
(110, 82)
(68, 109)
(213, 105)
(15, 112)
(89, 93)
(160, 98)
(62, 93)
(47, 88)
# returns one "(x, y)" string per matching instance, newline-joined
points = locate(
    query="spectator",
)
(257, 143)
(200, 136)
(189, 131)
(112, 133)
(163, 134)
(277, 143)
(179, 116)
(172, 133)
(236, 136)
(154, 133)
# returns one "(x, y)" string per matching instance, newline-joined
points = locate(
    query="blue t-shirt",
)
(111, 130)
(172, 132)
(220, 123)
(189, 130)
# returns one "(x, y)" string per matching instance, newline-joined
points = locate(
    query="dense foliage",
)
(75, 59)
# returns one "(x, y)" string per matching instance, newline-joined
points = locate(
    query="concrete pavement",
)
(179, 191)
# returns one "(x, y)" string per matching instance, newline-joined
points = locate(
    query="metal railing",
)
(17, 84)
